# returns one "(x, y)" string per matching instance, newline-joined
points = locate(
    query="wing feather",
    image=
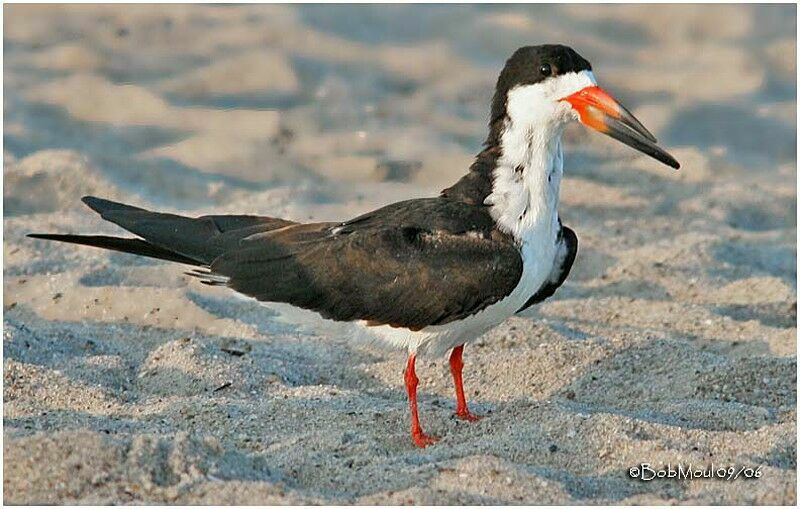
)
(391, 270)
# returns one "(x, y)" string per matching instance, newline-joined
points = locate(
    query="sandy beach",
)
(672, 342)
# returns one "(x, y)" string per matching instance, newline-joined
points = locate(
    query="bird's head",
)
(546, 87)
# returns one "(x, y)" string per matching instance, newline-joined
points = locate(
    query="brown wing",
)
(408, 265)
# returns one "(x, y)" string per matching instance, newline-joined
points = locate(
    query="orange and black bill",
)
(603, 113)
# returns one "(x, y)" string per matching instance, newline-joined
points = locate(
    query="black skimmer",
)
(425, 275)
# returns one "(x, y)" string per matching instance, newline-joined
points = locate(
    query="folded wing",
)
(404, 276)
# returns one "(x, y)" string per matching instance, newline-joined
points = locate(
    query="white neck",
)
(526, 181)
(524, 198)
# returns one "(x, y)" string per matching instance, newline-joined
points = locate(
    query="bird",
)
(427, 275)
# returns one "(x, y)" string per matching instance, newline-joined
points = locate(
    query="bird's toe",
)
(422, 440)
(466, 415)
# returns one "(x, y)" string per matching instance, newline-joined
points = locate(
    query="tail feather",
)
(190, 240)
(125, 245)
(198, 238)
(207, 277)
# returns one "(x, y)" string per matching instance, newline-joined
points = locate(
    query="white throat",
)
(527, 179)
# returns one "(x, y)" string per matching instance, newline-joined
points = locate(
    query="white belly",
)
(438, 339)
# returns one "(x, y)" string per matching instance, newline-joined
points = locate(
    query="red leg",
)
(456, 365)
(419, 438)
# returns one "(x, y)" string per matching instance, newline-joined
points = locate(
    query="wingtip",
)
(101, 205)
(95, 203)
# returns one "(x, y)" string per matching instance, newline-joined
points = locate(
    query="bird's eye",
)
(545, 69)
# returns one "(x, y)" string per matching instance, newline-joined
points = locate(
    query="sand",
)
(673, 341)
